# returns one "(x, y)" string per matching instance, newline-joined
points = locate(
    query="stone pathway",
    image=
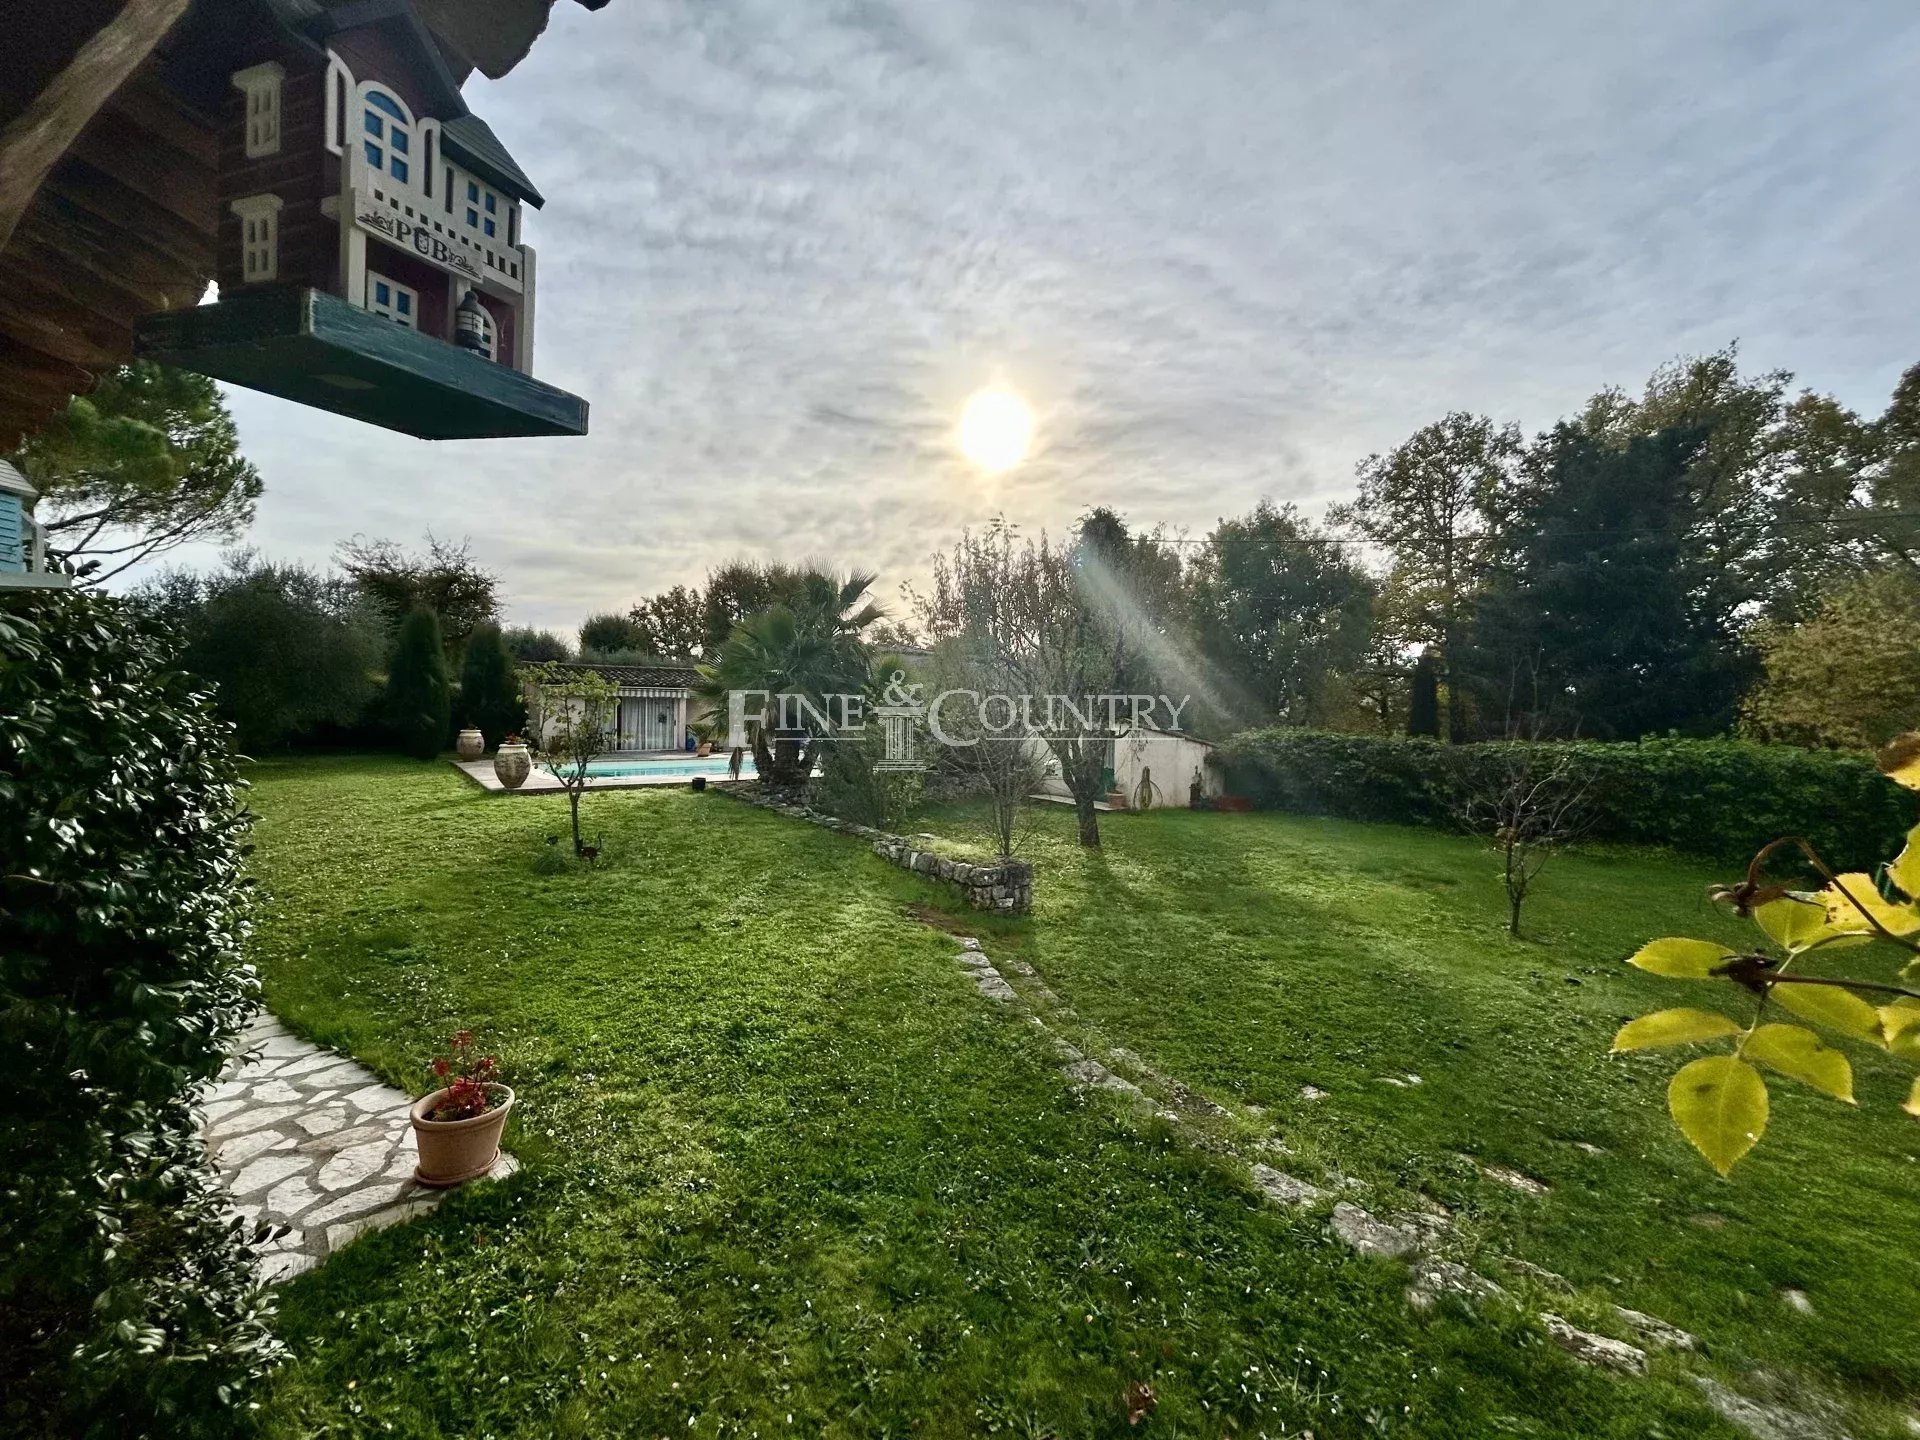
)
(311, 1140)
(1416, 1239)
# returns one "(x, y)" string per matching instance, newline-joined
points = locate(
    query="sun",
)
(996, 430)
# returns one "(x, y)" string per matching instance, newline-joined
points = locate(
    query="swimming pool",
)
(714, 766)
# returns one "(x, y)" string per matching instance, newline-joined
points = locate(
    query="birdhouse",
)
(372, 253)
(23, 548)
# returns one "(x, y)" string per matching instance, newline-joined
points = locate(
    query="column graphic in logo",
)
(900, 713)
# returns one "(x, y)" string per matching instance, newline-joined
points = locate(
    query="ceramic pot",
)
(455, 1151)
(706, 749)
(512, 763)
(471, 745)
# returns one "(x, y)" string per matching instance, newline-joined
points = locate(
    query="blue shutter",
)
(13, 559)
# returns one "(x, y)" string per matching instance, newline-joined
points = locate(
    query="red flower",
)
(468, 1077)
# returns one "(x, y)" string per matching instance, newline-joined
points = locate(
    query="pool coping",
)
(480, 772)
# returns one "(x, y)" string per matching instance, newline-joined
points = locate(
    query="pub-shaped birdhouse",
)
(372, 254)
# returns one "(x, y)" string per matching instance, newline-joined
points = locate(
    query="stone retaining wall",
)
(1004, 887)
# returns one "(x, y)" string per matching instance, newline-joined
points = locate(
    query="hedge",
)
(1720, 798)
(128, 1301)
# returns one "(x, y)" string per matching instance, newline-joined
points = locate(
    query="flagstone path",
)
(311, 1140)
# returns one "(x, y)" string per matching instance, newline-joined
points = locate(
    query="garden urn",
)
(512, 763)
(471, 745)
(455, 1151)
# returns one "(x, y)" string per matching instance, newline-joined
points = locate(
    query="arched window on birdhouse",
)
(386, 138)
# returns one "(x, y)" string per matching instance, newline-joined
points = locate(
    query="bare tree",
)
(1531, 802)
(1530, 806)
(1055, 622)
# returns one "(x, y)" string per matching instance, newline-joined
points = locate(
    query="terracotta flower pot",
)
(512, 763)
(706, 749)
(454, 1151)
(471, 745)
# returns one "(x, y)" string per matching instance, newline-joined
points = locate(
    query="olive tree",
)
(571, 712)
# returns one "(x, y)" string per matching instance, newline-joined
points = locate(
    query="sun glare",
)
(996, 430)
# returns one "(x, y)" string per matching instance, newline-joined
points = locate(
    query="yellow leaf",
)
(1831, 1006)
(1720, 1104)
(1844, 915)
(1906, 1045)
(1905, 869)
(1795, 1050)
(1680, 959)
(1912, 1107)
(1795, 924)
(1673, 1027)
(1899, 761)
(1903, 1014)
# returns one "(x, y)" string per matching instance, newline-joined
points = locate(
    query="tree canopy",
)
(291, 652)
(147, 462)
(445, 578)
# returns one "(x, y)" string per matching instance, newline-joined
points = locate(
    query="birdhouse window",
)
(398, 303)
(260, 84)
(387, 138)
(482, 210)
(259, 217)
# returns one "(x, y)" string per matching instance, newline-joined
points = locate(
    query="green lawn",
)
(786, 1172)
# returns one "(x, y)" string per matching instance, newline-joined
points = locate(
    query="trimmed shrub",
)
(127, 1299)
(1723, 798)
(293, 655)
(419, 698)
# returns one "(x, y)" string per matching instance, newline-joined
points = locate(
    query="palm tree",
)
(809, 647)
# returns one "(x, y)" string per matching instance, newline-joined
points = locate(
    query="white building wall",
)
(1169, 759)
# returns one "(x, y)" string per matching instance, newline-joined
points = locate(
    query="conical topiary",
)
(419, 698)
(489, 690)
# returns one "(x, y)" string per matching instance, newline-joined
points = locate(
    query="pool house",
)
(655, 704)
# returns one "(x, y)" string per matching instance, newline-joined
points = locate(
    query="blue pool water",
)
(714, 765)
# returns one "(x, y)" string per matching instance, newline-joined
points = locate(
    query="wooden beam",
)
(93, 190)
(34, 142)
(58, 276)
(111, 252)
(148, 103)
(64, 332)
(158, 173)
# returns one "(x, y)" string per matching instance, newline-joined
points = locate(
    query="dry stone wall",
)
(1004, 887)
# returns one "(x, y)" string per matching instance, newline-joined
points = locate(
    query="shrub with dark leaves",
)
(128, 1305)
(1724, 798)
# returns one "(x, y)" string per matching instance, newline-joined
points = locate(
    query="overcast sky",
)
(1225, 251)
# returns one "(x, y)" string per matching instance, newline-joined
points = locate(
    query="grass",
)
(1250, 955)
(785, 1172)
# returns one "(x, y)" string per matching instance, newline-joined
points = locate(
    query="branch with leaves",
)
(1720, 1101)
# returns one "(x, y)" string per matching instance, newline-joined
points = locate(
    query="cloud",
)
(1225, 249)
